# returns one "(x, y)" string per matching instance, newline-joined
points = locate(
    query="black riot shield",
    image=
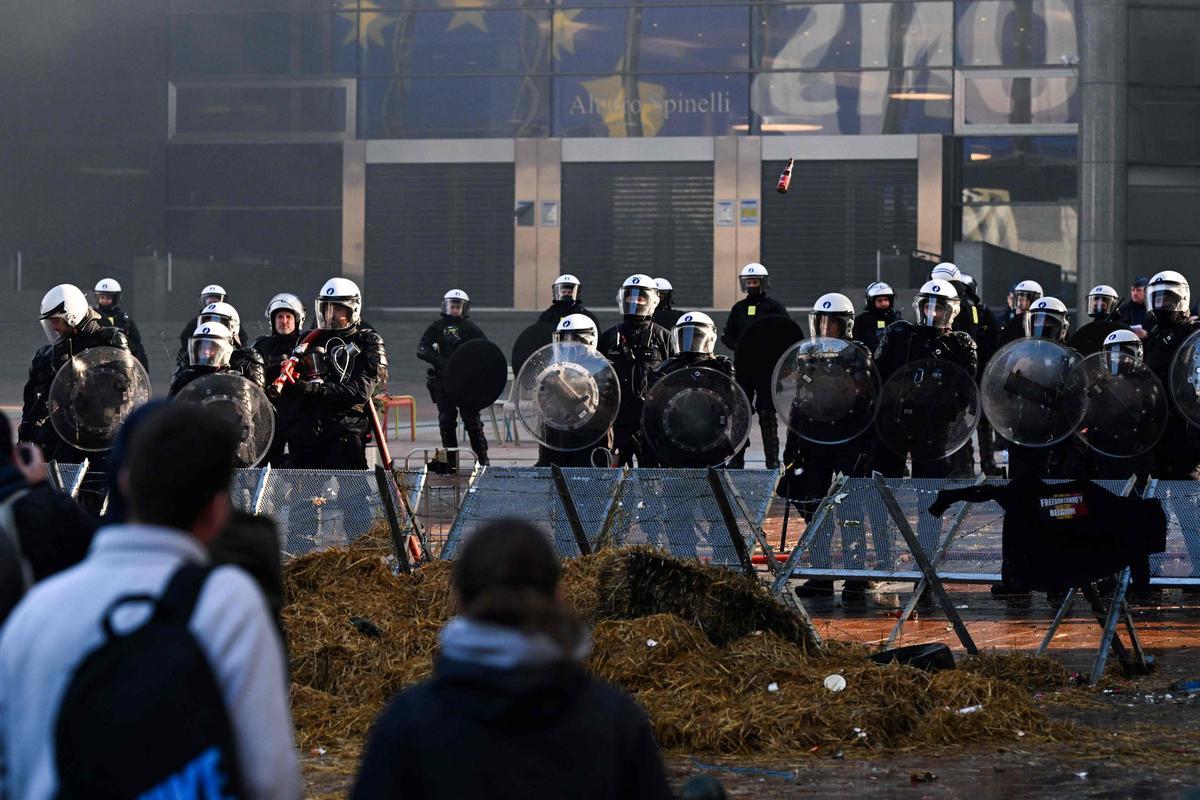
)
(240, 402)
(762, 345)
(93, 393)
(1125, 408)
(532, 339)
(929, 408)
(827, 390)
(475, 375)
(567, 396)
(1024, 392)
(696, 417)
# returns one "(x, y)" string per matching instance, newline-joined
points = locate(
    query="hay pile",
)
(717, 664)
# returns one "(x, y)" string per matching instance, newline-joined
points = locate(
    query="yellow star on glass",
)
(565, 29)
(373, 24)
(609, 95)
(460, 18)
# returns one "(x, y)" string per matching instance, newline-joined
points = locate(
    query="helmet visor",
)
(55, 329)
(453, 307)
(1166, 298)
(587, 337)
(107, 299)
(753, 284)
(1100, 306)
(205, 352)
(208, 299)
(636, 302)
(1022, 300)
(935, 312)
(333, 315)
(832, 326)
(1045, 325)
(695, 339)
(565, 291)
(1116, 356)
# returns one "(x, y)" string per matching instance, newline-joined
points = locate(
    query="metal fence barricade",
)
(1180, 564)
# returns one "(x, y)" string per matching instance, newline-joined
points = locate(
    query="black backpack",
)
(143, 716)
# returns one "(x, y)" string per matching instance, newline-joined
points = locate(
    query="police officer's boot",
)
(770, 438)
(479, 444)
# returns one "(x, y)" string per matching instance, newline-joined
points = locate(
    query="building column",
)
(1103, 75)
(354, 211)
(935, 195)
(537, 247)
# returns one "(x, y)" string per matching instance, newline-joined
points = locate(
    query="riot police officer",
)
(285, 313)
(108, 306)
(987, 334)
(967, 319)
(1168, 297)
(695, 337)
(437, 345)
(337, 380)
(878, 312)
(566, 300)
(753, 280)
(1024, 294)
(809, 467)
(244, 360)
(1122, 348)
(666, 314)
(582, 329)
(210, 352)
(635, 347)
(931, 336)
(1102, 302)
(212, 293)
(71, 327)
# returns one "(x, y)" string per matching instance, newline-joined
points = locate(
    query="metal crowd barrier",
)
(857, 539)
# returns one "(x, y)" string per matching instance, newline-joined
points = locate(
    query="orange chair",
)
(399, 401)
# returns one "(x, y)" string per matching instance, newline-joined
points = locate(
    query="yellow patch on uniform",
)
(880, 324)
(750, 310)
(975, 314)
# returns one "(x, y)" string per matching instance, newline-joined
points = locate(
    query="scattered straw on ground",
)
(720, 667)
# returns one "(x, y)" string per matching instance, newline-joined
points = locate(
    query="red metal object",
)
(785, 180)
(287, 370)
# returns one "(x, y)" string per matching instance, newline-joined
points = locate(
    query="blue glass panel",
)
(650, 105)
(453, 108)
(914, 101)
(1016, 32)
(1023, 169)
(1035, 100)
(851, 35)
(449, 43)
(263, 44)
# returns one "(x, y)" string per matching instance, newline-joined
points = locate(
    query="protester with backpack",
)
(141, 672)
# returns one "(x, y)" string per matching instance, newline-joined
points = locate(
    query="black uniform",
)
(744, 312)
(635, 348)
(245, 361)
(870, 324)
(1013, 329)
(274, 349)
(1088, 339)
(438, 344)
(35, 412)
(967, 320)
(903, 343)
(666, 316)
(332, 418)
(114, 317)
(563, 308)
(1132, 313)
(1177, 454)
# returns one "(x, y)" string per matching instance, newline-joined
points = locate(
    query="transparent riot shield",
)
(1024, 392)
(1125, 407)
(1184, 379)
(827, 390)
(928, 409)
(240, 402)
(696, 417)
(93, 393)
(567, 396)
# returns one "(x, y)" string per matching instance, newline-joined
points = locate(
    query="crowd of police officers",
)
(322, 375)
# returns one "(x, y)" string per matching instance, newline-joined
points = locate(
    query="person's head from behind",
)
(177, 472)
(508, 575)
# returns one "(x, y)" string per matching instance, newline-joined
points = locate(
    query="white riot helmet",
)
(1121, 342)
(109, 287)
(338, 292)
(756, 271)
(967, 280)
(638, 296)
(695, 332)
(665, 290)
(212, 294)
(455, 300)
(1025, 294)
(879, 289)
(222, 313)
(576, 328)
(65, 302)
(566, 286)
(1102, 301)
(211, 345)
(936, 304)
(1047, 319)
(286, 301)
(1168, 296)
(945, 271)
(832, 316)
